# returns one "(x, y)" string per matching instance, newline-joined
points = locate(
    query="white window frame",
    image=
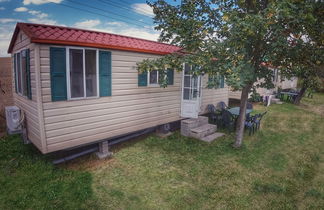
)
(153, 84)
(68, 78)
(157, 77)
(21, 75)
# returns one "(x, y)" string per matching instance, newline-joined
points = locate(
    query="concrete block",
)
(212, 137)
(103, 150)
(203, 131)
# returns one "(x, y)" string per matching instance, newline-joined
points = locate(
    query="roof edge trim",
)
(103, 46)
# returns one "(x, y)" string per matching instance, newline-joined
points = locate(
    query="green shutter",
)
(105, 73)
(15, 71)
(28, 82)
(170, 73)
(58, 73)
(142, 79)
(221, 81)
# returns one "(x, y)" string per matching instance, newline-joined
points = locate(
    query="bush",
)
(255, 97)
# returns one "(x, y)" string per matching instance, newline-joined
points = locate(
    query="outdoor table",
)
(236, 111)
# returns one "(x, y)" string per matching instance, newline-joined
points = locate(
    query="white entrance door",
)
(191, 94)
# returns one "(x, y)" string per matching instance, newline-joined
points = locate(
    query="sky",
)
(125, 17)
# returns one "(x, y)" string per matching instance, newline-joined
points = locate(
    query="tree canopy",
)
(239, 39)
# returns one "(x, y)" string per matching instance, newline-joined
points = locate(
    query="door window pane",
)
(91, 73)
(154, 77)
(186, 93)
(194, 82)
(186, 81)
(194, 93)
(187, 69)
(76, 73)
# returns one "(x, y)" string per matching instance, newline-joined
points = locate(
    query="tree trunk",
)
(240, 121)
(300, 95)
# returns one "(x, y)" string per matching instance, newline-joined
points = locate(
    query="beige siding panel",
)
(108, 116)
(29, 107)
(98, 112)
(105, 132)
(108, 134)
(44, 61)
(212, 96)
(31, 117)
(45, 69)
(44, 53)
(22, 41)
(77, 103)
(32, 136)
(131, 104)
(46, 84)
(45, 76)
(39, 100)
(110, 123)
(47, 98)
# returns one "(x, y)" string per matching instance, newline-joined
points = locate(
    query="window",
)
(22, 73)
(191, 84)
(215, 81)
(153, 77)
(83, 73)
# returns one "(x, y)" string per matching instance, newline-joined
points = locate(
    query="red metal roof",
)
(49, 34)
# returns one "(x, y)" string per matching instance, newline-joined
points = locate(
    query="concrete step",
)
(212, 137)
(188, 124)
(202, 120)
(276, 101)
(203, 131)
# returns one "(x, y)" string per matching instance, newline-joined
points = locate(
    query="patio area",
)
(225, 117)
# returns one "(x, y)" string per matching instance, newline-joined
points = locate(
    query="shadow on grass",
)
(28, 180)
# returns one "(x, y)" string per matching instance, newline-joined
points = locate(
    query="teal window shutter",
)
(142, 79)
(58, 73)
(105, 73)
(221, 81)
(170, 74)
(16, 74)
(28, 82)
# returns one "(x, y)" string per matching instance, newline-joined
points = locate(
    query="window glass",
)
(76, 73)
(187, 69)
(186, 81)
(18, 72)
(194, 93)
(154, 77)
(186, 93)
(91, 73)
(23, 73)
(194, 81)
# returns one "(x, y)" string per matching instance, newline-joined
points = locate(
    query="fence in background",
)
(6, 98)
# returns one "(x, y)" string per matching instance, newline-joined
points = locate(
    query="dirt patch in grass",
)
(316, 109)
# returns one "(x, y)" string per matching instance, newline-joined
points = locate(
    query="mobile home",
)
(78, 87)
(278, 83)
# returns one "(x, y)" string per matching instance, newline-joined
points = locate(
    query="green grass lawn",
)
(280, 167)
